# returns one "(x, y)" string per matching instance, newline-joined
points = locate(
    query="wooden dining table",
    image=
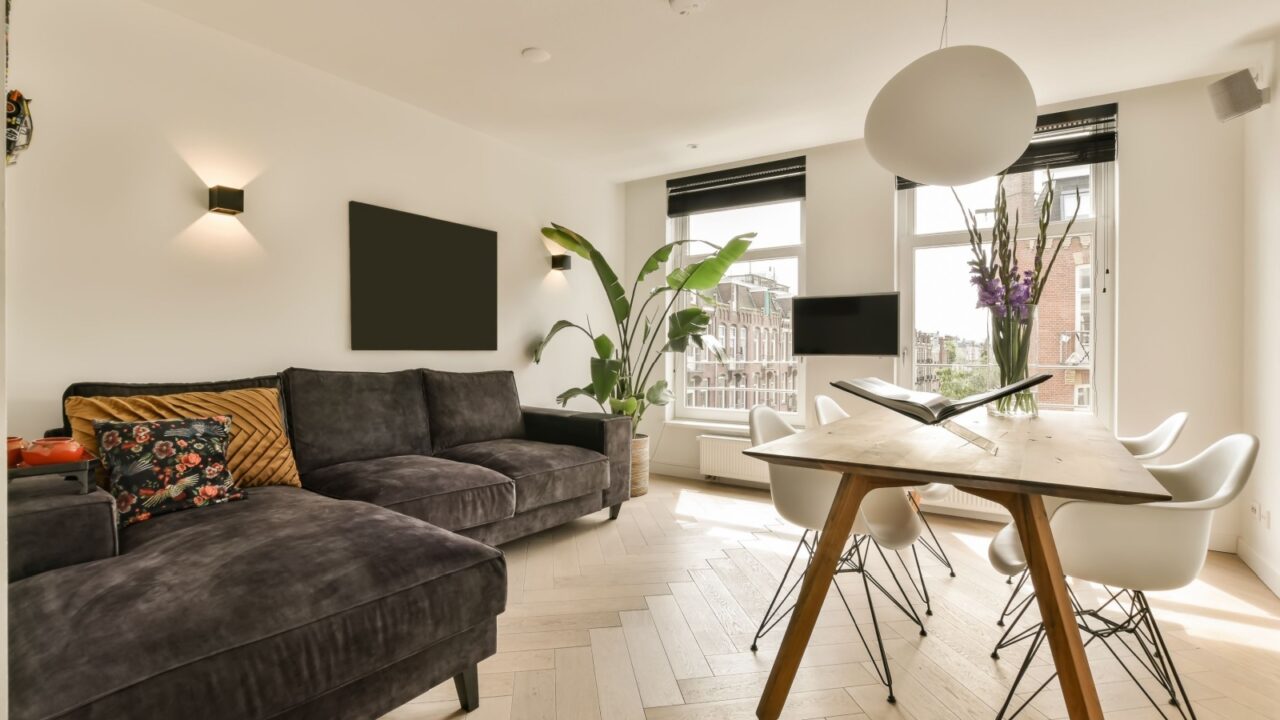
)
(1059, 454)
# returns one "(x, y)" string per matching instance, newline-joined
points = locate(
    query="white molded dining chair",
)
(1005, 551)
(803, 497)
(1134, 549)
(827, 411)
(1158, 441)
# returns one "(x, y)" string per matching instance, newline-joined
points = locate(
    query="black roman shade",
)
(1062, 139)
(751, 185)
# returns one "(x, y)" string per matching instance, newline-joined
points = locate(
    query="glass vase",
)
(1013, 338)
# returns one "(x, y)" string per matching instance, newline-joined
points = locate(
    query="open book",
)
(928, 408)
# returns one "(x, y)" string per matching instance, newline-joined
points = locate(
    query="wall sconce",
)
(226, 200)
(561, 262)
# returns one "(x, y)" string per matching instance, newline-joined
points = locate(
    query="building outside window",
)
(753, 301)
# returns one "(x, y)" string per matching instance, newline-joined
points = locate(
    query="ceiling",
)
(631, 83)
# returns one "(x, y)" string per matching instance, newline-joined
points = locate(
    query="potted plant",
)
(646, 325)
(1011, 294)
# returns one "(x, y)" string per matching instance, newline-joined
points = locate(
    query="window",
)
(753, 302)
(949, 351)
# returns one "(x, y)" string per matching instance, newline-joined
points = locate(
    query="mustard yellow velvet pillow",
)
(258, 453)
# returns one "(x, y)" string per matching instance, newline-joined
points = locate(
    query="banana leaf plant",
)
(622, 370)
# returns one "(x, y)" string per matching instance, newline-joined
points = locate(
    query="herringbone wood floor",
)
(651, 616)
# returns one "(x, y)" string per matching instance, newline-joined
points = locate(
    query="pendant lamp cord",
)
(946, 17)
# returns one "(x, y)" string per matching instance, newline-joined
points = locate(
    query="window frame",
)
(1099, 227)
(772, 353)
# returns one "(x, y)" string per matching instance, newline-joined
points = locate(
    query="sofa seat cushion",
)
(452, 495)
(243, 610)
(544, 473)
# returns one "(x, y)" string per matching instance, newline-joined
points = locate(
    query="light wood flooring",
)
(652, 616)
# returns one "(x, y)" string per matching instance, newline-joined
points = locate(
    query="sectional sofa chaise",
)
(345, 598)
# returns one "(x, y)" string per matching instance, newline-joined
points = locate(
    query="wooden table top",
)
(1062, 454)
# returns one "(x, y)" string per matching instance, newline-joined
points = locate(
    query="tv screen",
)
(845, 325)
(418, 283)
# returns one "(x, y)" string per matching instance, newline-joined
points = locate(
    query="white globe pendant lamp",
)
(952, 117)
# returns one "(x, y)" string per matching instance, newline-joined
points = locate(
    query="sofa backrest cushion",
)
(337, 416)
(472, 407)
(115, 389)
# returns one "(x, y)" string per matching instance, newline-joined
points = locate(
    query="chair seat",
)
(245, 609)
(452, 495)
(544, 473)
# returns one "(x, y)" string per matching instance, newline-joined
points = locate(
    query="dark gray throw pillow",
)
(472, 407)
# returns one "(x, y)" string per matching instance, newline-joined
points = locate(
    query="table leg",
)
(1056, 612)
(817, 580)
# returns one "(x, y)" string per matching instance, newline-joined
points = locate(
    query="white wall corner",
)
(1261, 566)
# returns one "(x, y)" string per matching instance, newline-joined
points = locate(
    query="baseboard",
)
(1268, 573)
(680, 471)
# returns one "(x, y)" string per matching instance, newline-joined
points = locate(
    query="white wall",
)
(1259, 545)
(117, 272)
(1179, 263)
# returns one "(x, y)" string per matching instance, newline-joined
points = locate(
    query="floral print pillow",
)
(160, 466)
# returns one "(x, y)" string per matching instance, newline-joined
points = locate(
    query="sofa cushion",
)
(471, 407)
(162, 466)
(285, 597)
(544, 473)
(449, 494)
(116, 389)
(336, 417)
(258, 453)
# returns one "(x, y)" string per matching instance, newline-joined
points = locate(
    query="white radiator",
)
(966, 505)
(720, 456)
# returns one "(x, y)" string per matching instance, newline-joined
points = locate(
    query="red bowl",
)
(15, 450)
(52, 451)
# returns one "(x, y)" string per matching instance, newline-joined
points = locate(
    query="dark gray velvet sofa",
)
(343, 599)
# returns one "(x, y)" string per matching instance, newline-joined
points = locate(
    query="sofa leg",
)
(614, 510)
(468, 684)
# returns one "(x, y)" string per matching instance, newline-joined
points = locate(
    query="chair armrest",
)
(609, 435)
(1155, 546)
(51, 525)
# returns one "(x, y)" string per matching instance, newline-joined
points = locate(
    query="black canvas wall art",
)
(418, 283)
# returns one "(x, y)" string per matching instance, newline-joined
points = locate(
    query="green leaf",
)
(706, 274)
(604, 346)
(564, 397)
(625, 406)
(604, 377)
(711, 344)
(660, 256)
(561, 325)
(659, 394)
(568, 239)
(686, 322)
(612, 288)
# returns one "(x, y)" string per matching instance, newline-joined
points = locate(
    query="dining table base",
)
(1043, 564)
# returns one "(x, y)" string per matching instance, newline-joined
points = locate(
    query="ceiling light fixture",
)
(692, 146)
(535, 54)
(952, 117)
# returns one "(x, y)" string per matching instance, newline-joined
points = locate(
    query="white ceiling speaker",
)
(687, 7)
(1237, 94)
(952, 117)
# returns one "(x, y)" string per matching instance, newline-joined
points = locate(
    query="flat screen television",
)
(845, 325)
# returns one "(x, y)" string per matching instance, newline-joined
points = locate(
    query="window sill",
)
(720, 426)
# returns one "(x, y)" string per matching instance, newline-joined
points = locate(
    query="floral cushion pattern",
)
(160, 466)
